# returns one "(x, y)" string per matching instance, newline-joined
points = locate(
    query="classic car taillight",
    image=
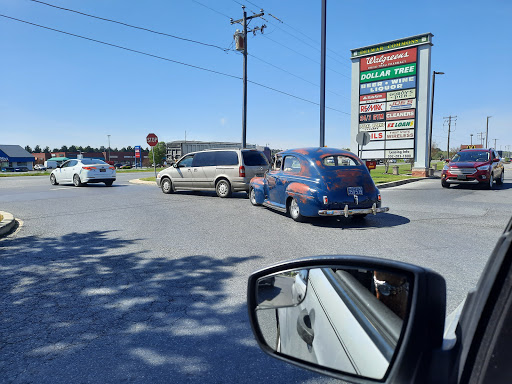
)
(241, 171)
(326, 201)
(380, 198)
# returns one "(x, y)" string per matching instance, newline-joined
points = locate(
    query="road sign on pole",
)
(152, 140)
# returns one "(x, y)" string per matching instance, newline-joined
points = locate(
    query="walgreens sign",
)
(405, 56)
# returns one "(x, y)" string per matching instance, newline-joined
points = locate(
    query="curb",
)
(7, 224)
(404, 181)
(139, 181)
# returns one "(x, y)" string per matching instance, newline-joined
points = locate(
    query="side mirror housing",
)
(447, 160)
(377, 319)
(175, 165)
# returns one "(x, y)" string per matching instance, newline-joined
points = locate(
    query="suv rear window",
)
(254, 158)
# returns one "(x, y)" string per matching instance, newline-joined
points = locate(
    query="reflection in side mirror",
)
(175, 165)
(343, 318)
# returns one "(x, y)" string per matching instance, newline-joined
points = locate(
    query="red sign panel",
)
(152, 139)
(371, 117)
(371, 164)
(373, 98)
(404, 56)
(401, 115)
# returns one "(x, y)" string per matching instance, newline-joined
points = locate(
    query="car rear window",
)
(340, 161)
(92, 161)
(471, 156)
(254, 158)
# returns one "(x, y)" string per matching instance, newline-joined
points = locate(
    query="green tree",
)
(129, 149)
(123, 149)
(55, 150)
(64, 148)
(73, 149)
(37, 149)
(88, 149)
(46, 149)
(160, 152)
(28, 149)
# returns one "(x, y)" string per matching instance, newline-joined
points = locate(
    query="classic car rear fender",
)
(258, 184)
(305, 196)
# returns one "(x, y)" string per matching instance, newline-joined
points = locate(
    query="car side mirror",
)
(349, 317)
(58, 166)
(496, 160)
(175, 165)
(447, 160)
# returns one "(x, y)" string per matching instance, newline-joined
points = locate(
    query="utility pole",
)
(244, 21)
(471, 138)
(449, 118)
(487, 131)
(322, 74)
(495, 144)
(481, 138)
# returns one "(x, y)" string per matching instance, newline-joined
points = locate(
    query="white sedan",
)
(82, 171)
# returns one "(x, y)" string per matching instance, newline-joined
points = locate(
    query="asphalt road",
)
(126, 284)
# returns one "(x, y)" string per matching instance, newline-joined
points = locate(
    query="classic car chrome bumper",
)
(349, 212)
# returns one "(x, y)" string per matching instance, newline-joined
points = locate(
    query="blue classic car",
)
(317, 182)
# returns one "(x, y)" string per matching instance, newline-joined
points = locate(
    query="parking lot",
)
(128, 284)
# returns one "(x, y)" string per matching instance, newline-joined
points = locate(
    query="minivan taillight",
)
(241, 171)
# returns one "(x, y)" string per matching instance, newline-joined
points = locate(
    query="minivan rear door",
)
(255, 163)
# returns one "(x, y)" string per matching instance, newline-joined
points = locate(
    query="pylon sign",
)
(393, 78)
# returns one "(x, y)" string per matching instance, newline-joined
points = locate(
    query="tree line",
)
(74, 148)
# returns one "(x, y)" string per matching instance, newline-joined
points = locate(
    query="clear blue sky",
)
(61, 90)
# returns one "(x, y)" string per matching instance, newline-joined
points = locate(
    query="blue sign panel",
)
(388, 85)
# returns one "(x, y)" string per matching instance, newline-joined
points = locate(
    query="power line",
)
(129, 25)
(302, 33)
(165, 59)
(211, 9)
(307, 57)
(294, 75)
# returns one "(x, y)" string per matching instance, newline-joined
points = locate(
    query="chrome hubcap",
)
(253, 197)
(167, 186)
(223, 188)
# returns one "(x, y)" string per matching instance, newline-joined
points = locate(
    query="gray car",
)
(223, 170)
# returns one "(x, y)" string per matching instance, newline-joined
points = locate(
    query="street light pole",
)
(322, 75)
(487, 132)
(432, 116)
(108, 147)
(471, 138)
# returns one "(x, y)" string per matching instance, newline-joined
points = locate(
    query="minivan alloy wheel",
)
(223, 188)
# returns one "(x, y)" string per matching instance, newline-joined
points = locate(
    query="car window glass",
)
(254, 158)
(291, 164)
(72, 163)
(340, 161)
(471, 156)
(92, 161)
(277, 163)
(65, 164)
(226, 158)
(186, 161)
(204, 159)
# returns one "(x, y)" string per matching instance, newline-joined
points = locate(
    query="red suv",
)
(473, 166)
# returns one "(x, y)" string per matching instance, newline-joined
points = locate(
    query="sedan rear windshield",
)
(340, 161)
(254, 158)
(92, 161)
(472, 156)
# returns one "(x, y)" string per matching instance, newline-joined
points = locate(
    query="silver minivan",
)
(223, 170)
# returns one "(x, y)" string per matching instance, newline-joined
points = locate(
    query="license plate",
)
(354, 190)
(103, 170)
(461, 177)
(259, 175)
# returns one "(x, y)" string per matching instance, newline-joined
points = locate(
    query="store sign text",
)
(368, 108)
(400, 115)
(400, 134)
(371, 126)
(375, 98)
(401, 104)
(370, 117)
(388, 85)
(400, 124)
(398, 95)
(405, 56)
(388, 73)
